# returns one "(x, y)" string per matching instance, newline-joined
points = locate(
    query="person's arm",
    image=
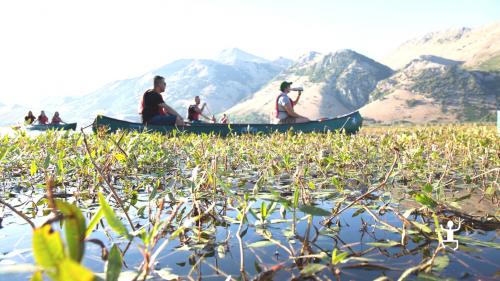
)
(205, 117)
(297, 99)
(291, 112)
(170, 110)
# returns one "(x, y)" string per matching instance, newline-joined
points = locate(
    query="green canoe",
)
(39, 127)
(349, 123)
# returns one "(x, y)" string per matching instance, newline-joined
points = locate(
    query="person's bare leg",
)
(301, 120)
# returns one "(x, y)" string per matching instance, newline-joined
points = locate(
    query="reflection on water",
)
(218, 254)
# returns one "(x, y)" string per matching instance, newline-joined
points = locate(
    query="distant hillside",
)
(221, 83)
(335, 83)
(435, 89)
(478, 48)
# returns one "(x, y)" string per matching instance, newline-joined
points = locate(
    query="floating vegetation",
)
(129, 206)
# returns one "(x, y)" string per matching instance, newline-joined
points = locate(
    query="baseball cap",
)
(285, 84)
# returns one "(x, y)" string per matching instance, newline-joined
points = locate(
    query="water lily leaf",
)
(315, 211)
(259, 244)
(312, 269)
(475, 242)
(358, 212)
(440, 263)
(114, 264)
(113, 221)
(74, 229)
(166, 274)
(221, 251)
(386, 244)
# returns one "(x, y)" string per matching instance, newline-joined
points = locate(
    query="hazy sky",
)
(73, 47)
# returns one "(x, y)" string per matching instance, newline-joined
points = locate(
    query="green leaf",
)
(315, 211)
(427, 188)
(259, 244)
(437, 228)
(94, 221)
(263, 211)
(338, 258)
(113, 221)
(60, 166)
(358, 212)
(48, 249)
(422, 227)
(74, 229)
(311, 185)
(71, 270)
(475, 242)
(440, 263)
(386, 244)
(37, 276)
(47, 161)
(33, 168)
(114, 264)
(425, 200)
(121, 157)
(312, 269)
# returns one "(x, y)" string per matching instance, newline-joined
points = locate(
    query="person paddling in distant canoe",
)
(42, 118)
(224, 119)
(29, 119)
(284, 106)
(154, 110)
(194, 111)
(56, 120)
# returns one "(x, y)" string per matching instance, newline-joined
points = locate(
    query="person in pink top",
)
(42, 118)
(56, 120)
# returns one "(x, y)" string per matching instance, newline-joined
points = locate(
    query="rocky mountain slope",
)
(335, 83)
(478, 48)
(434, 89)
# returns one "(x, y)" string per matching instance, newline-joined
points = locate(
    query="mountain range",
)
(444, 76)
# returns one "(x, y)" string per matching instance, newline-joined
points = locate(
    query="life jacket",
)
(43, 119)
(161, 110)
(192, 114)
(277, 111)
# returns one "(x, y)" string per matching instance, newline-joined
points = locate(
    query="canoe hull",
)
(38, 127)
(349, 123)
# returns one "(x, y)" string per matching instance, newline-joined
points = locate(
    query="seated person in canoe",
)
(154, 110)
(29, 119)
(42, 118)
(56, 120)
(284, 110)
(194, 111)
(224, 119)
